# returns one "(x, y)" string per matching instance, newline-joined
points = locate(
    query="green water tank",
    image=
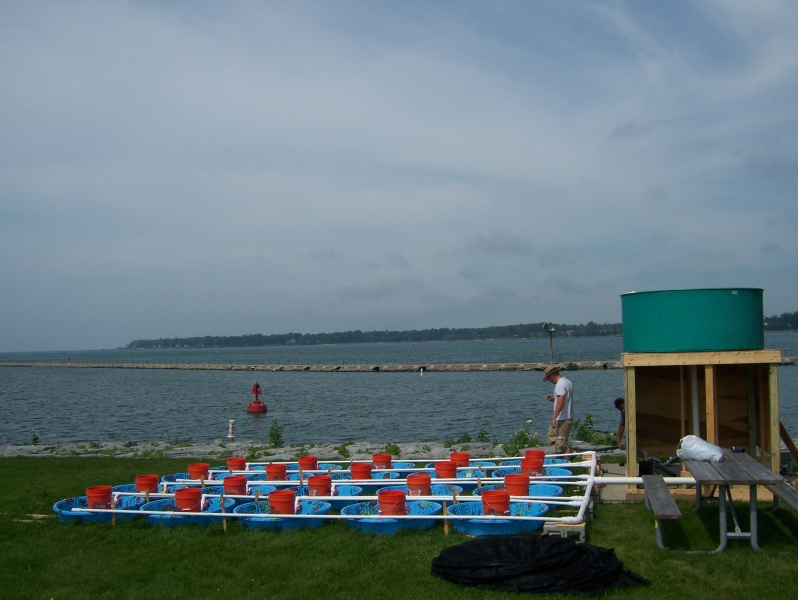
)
(705, 320)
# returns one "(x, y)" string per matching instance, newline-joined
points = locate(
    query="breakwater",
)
(373, 368)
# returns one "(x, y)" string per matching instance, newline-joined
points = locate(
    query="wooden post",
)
(775, 437)
(785, 435)
(711, 404)
(762, 449)
(445, 521)
(751, 412)
(681, 398)
(224, 521)
(631, 422)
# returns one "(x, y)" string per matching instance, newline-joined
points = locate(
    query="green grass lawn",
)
(44, 558)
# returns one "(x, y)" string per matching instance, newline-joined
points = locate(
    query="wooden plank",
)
(762, 449)
(733, 472)
(660, 499)
(788, 441)
(775, 437)
(751, 385)
(662, 359)
(681, 398)
(759, 474)
(711, 402)
(704, 472)
(785, 493)
(631, 423)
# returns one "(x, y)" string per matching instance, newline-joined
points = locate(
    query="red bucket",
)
(517, 484)
(461, 458)
(236, 463)
(392, 502)
(382, 460)
(418, 484)
(189, 499)
(541, 454)
(496, 502)
(309, 463)
(445, 469)
(532, 466)
(320, 485)
(235, 485)
(198, 471)
(360, 470)
(282, 502)
(276, 471)
(147, 483)
(99, 496)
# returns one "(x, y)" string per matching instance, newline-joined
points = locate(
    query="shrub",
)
(584, 431)
(393, 449)
(342, 451)
(276, 435)
(519, 440)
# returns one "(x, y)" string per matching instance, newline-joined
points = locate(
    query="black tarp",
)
(540, 564)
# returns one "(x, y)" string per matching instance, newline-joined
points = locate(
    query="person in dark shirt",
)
(620, 404)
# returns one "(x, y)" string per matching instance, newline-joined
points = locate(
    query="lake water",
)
(64, 405)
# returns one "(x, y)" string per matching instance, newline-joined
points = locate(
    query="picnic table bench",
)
(659, 499)
(734, 469)
(784, 492)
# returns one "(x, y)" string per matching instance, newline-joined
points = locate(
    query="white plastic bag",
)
(692, 447)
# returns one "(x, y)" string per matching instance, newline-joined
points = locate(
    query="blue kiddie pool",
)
(436, 489)
(174, 477)
(379, 525)
(263, 488)
(494, 526)
(261, 476)
(210, 506)
(345, 490)
(535, 489)
(338, 490)
(557, 472)
(505, 471)
(131, 504)
(330, 466)
(335, 475)
(400, 464)
(128, 488)
(369, 487)
(306, 507)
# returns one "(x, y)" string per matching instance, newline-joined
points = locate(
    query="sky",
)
(172, 169)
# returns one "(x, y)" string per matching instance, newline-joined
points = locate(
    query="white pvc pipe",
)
(317, 516)
(639, 480)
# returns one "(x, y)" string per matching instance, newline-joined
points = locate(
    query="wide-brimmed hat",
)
(549, 370)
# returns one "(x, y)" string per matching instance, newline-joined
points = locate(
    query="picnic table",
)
(734, 469)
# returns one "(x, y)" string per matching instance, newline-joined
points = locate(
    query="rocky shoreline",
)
(373, 368)
(260, 452)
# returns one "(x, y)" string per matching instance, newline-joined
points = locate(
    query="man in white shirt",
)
(563, 417)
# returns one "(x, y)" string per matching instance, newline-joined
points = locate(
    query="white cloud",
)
(272, 167)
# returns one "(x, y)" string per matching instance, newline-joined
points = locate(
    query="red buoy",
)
(256, 406)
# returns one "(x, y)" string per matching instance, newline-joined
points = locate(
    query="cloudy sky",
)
(187, 168)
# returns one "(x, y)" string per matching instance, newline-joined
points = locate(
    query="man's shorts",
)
(559, 437)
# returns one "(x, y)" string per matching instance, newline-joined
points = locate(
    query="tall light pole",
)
(550, 328)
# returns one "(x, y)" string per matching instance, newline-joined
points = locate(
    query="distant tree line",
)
(783, 322)
(503, 332)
